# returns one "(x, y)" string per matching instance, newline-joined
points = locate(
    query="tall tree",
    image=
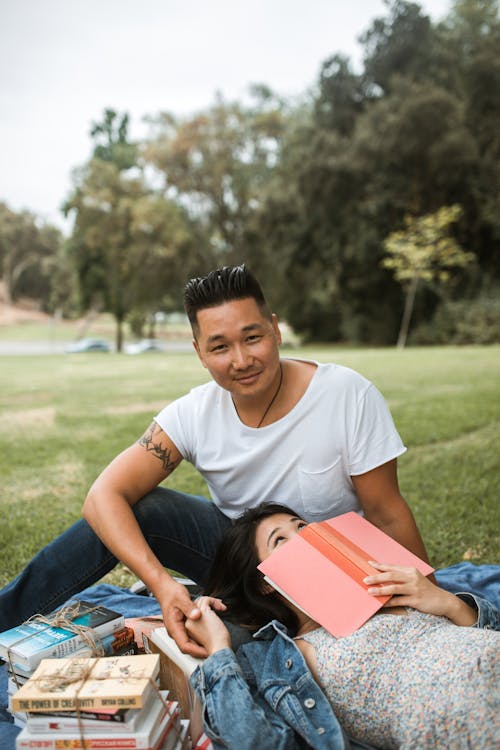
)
(126, 241)
(217, 162)
(400, 44)
(29, 250)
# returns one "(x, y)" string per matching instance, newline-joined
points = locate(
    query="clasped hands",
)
(194, 626)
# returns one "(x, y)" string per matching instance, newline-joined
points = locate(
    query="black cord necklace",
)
(273, 398)
(271, 401)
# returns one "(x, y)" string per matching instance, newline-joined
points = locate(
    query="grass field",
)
(62, 418)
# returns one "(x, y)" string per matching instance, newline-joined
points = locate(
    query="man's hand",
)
(208, 629)
(177, 606)
(409, 588)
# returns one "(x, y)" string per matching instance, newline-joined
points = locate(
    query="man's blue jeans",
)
(182, 530)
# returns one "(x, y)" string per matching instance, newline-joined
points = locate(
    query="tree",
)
(111, 140)
(471, 34)
(402, 44)
(127, 241)
(341, 96)
(424, 251)
(216, 165)
(369, 156)
(28, 253)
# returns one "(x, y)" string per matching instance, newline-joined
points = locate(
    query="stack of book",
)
(110, 702)
(24, 646)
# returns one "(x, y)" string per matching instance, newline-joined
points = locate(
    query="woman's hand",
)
(409, 588)
(177, 607)
(206, 627)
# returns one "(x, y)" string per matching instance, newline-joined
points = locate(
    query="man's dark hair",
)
(225, 284)
(234, 578)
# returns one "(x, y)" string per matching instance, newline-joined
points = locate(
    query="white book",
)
(29, 643)
(63, 721)
(149, 735)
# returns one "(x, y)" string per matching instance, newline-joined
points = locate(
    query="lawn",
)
(63, 418)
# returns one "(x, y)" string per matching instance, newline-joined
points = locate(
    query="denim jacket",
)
(488, 616)
(265, 696)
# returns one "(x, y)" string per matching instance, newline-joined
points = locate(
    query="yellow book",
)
(88, 684)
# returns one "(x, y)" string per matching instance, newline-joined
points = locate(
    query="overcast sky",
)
(63, 61)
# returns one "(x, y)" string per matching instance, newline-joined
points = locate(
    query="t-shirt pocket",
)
(324, 491)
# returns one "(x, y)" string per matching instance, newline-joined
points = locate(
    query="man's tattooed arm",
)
(156, 448)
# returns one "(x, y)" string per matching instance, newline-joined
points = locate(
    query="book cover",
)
(33, 641)
(88, 684)
(321, 570)
(175, 670)
(150, 735)
(142, 625)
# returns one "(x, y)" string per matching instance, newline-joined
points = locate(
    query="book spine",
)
(68, 720)
(69, 646)
(110, 646)
(49, 703)
(94, 720)
(62, 742)
(338, 552)
(116, 644)
(93, 704)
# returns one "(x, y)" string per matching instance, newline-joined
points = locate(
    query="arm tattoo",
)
(157, 449)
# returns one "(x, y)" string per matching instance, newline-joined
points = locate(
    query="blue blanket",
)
(483, 580)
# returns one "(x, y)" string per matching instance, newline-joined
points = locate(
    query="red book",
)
(321, 570)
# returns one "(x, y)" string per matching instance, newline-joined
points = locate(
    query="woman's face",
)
(274, 531)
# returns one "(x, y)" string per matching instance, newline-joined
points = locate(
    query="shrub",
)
(470, 321)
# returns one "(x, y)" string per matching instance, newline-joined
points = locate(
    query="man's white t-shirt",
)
(340, 427)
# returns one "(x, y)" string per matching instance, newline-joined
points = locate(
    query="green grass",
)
(63, 418)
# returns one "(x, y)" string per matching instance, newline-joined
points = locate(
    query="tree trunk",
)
(12, 272)
(5, 295)
(151, 326)
(119, 332)
(405, 322)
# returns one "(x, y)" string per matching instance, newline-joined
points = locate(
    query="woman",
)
(419, 674)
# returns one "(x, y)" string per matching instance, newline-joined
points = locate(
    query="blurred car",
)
(88, 345)
(145, 345)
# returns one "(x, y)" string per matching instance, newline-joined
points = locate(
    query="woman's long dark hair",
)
(234, 578)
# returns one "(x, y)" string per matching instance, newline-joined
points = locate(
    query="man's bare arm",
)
(108, 509)
(383, 505)
(155, 442)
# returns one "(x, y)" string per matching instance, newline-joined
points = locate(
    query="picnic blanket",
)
(483, 580)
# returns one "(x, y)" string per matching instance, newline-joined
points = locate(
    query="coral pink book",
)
(321, 570)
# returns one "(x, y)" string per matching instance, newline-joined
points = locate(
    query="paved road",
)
(41, 347)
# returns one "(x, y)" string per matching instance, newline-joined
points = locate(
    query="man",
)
(316, 437)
